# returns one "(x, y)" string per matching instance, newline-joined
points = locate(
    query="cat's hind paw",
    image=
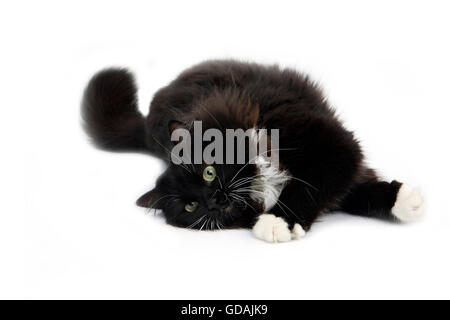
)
(272, 229)
(409, 206)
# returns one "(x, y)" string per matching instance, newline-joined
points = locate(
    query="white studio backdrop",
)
(69, 227)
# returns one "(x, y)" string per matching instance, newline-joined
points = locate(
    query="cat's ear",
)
(151, 199)
(174, 125)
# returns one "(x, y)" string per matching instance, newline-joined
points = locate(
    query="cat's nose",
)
(219, 201)
(221, 198)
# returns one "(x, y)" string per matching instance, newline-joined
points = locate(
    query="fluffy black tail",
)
(110, 112)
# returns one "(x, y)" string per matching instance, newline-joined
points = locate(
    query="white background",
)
(69, 227)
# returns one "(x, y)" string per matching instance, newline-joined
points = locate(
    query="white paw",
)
(409, 205)
(272, 229)
(298, 232)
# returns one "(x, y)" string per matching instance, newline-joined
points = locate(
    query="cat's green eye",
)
(191, 206)
(209, 174)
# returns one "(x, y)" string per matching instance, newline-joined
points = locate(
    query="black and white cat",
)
(321, 167)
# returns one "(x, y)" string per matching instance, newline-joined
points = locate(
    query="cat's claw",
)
(409, 206)
(274, 229)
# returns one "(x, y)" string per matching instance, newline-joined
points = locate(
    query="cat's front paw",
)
(409, 205)
(272, 229)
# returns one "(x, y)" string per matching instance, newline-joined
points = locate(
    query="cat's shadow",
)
(324, 223)
(336, 219)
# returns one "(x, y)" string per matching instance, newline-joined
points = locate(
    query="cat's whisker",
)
(220, 182)
(247, 190)
(238, 200)
(209, 223)
(218, 224)
(242, 200)
(237, 182)
(236, 196)
(260, 154)
(201, 228)
(279, 202)
(242, 181)
(303, 181)
(285, 213)
(310, 195)
(282, 203)
(196, 222)
(151, 205)
(213, 194)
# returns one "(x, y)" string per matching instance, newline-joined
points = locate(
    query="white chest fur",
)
(269, 183)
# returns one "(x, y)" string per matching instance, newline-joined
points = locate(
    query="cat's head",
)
(204, 196)
(209, 195)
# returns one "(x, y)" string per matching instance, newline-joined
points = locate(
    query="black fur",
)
(324, 158)
(110, 111)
